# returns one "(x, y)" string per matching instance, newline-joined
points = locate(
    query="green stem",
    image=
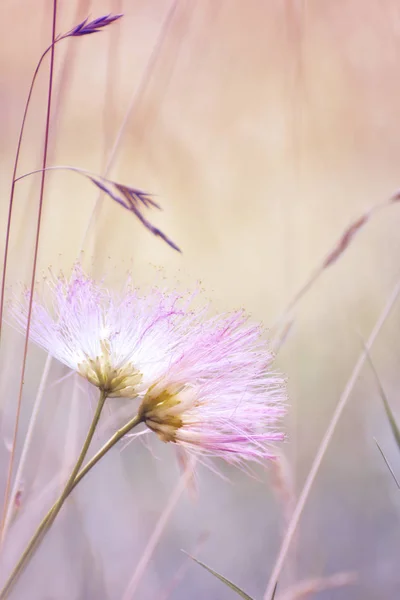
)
(49, 519)
(107, 446)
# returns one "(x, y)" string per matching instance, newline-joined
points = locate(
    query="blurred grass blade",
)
(231, 585)
(388, 410)
(274, 592)
(387, 463)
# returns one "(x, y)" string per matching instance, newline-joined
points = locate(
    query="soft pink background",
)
(264, 128)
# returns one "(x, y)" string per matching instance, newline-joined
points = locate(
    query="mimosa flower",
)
(218, 397)
(204, 383)
(116, 342)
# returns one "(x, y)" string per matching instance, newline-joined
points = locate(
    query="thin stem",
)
(16, 161)
(135, 99)
(107, 446)
(39, 218)
(28, 438)
(75, 477)
(110, 103)
(305, 492)
(108, 167)
(283, 322)
(60, 168)
(50, 517)
(158, 530)
(11, 203)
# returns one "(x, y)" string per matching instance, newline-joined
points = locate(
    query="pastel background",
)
(264, 129)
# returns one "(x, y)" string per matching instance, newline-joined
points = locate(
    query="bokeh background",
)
(263, 128)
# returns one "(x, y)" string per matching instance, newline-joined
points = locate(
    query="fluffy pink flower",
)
(120, 343)
(205, 383)
(218, 396)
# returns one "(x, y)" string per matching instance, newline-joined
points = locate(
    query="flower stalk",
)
(50, 517)
(118, 435)
(34, 265)
(204, 384)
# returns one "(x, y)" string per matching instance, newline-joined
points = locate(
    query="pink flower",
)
(119, 343)
(218, 396)
(205, 383)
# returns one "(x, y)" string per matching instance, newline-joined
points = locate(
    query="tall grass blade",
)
(392, 421)
(309, 482)
(224, 580)
(387, 463)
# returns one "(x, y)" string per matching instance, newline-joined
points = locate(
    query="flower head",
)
(204, 383)
(218, 396)
(116, 342)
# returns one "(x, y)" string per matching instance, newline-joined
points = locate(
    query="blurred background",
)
(264, 129)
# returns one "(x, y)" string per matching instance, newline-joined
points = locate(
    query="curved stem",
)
(11, 203)
(35, 255)
(107, 446)
(60, 168)
(14, 179)
(50, 517)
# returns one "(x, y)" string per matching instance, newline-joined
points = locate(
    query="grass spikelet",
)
(285, 322)
(130, 198)
(133, 199)
(87, 27)
(83, 28)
